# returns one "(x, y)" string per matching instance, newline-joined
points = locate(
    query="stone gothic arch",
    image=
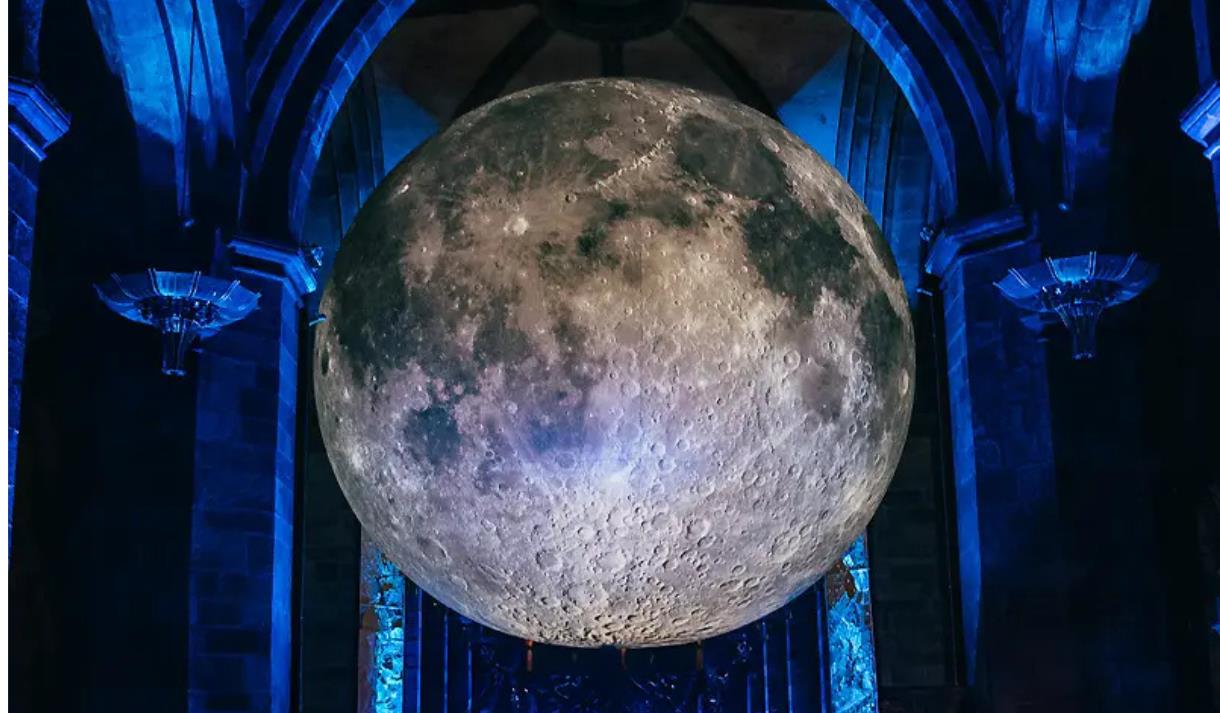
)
(306, 56)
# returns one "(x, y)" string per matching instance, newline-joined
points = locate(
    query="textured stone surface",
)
(613, 362)
(243, 509)
(35, 122)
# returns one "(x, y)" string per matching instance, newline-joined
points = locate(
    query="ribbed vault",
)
(305, 56)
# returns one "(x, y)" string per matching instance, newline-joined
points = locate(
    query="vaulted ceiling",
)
(760, 55)
(267, 77)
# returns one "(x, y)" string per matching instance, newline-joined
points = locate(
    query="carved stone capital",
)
(33, 116)
(958, 239)
(1201, 121)
(289, 264)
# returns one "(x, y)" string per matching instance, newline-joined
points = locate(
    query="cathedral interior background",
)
(1050, 541)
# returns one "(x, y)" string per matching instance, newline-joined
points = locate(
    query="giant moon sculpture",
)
(616, 363)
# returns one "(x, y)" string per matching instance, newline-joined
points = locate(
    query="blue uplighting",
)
(849, 624)
(382, 617)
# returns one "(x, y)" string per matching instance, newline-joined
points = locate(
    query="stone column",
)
(1014, 589)
(35, 122)
(242, 522)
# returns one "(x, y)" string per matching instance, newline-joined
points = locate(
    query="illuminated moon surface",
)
(616, 363)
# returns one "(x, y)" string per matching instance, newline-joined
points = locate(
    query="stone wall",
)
(243, 520)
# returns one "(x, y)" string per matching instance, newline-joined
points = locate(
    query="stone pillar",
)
(242, 521)
(35, 122)
(1014, 589)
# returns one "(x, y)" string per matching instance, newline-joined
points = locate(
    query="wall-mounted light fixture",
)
(182, 305)
(1078, 289)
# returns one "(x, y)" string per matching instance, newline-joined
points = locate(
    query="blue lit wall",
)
(1010, 528)
(403, 123)
(243, 510)
(813, 112)
(1067, 55)
(173, 59)
(23, 191)
(102, 515)
(35, 122)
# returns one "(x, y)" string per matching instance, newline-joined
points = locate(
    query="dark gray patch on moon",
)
(614, 363)
(728, 157)
(436, 432)
(881, 326)
(798, 254)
